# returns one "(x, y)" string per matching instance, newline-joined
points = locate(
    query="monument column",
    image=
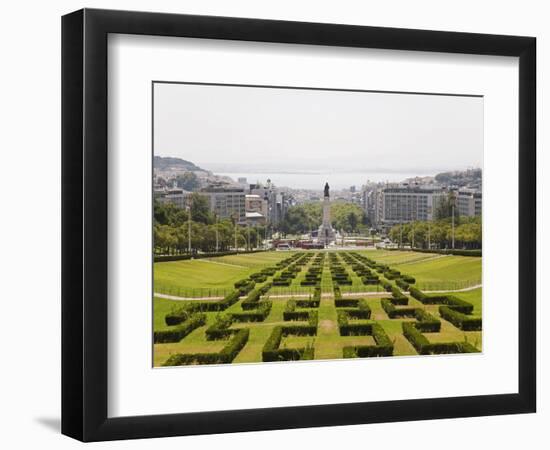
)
(326, 234)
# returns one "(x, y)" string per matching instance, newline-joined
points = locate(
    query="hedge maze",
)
(254, 324)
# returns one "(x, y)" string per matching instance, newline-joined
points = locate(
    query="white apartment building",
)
(226, 201)
(469, 202)
(406, 204)
(175, 196)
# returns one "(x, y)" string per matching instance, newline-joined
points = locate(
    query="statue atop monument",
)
(325, 234)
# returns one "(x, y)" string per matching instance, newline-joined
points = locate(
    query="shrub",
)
(277, 281)
(257, 315)
(427, 322)
(178, 316)
(346, 302)
(265, 288)
(460, 320)
(402, 284)
(271, 351)
(383, 347)
(241, 283)
(309, 303)
(251, 302)
(393, 312)
(450, 300)
(226, 302)
(391, 274)
(225, 356)
(386, 285)
(269, 271)
(450, 252)
(424, 347)
(258, 277)
(220, 328)
(295, 315)
(178, 333)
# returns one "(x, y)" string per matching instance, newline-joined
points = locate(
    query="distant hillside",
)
(460, 178)
(169, 163)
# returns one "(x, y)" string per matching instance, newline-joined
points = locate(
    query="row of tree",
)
(171, 229)
(439, 233)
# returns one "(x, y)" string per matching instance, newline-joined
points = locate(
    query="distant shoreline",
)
(316, 181)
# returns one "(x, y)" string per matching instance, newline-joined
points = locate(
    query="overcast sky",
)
(250, 129)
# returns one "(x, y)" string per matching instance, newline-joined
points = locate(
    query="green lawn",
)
(221, 273)
(211, 276)
(444, 272)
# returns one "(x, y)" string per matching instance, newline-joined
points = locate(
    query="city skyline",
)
(293, 130)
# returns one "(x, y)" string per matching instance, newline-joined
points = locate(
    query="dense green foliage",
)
(306, 217)
(171, 229)
(467, 233)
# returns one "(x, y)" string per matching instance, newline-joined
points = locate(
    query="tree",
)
(200, 210)
(467, 234)
(444, 208)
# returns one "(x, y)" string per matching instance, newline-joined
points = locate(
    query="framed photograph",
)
(272, 224)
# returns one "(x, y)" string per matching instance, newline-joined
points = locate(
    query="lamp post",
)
(217, 236)
(189, 225)
(235, 218)
(429, 230)
(412, 238)
(452, 220)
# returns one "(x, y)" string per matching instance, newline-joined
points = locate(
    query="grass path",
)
(327, 341)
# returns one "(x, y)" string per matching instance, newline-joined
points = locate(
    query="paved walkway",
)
(324, 295)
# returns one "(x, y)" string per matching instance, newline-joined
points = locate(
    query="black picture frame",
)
(84, 224)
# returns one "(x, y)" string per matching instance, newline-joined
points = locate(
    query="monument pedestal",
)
(326, 233)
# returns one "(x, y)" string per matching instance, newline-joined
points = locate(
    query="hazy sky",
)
(247, 129)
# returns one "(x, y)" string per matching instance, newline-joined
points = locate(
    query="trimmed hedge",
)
(179, 332)
(392, 274)
(245, 289)
(450, 300)
(278, 281)
(460, 320)
(398, 298)
(427, 322)
(408, 279)
(271, 351)
(220, 328)
(450, 252)
(309, 303)
(383, 347)
(393, 312)
(265, 288)
(251, 302)
(424, 347)
(198, 306)
(402, 284)
(257, 315)
(346, 302)
(225, 356)
(176, 317)
(168, 258)
(386, 285)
